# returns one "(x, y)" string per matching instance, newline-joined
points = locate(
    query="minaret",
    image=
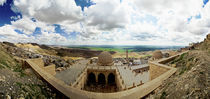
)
(127, 55)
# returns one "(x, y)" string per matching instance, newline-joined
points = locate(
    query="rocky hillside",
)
(18, 83)
(192, 79)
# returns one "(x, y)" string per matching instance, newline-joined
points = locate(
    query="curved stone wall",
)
(76, 93)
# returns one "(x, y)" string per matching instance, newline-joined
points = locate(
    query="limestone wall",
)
(119, 81)
(50, 69)
(156, 70)
(81, 80)
(39, 62)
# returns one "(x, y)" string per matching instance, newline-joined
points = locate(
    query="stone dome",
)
(208, 36)
(105, 59)
(157, 54)
(172, 53)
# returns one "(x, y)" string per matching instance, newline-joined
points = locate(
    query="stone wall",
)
(156, 70)
(50, 69)
(159, 73)
(81, 80)
(39, 62)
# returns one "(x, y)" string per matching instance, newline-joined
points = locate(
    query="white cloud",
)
(114, 22)
(7, 30)
(8, 34)
(50, 11)
(106, 15)
(51, 38)
(2, 2)
(25, 24)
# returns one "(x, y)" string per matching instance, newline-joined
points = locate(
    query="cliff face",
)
(205, 45)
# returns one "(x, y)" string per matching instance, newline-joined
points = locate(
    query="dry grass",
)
(37, 49)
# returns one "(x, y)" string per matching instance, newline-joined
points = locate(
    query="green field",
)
(138, 48)
(116, 49)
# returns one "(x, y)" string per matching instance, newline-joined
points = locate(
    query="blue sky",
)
(104, 22)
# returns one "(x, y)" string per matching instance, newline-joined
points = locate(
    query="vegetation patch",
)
(180, 58)
(34, 91)
(163, 95)
(7, 61)
(20, 70)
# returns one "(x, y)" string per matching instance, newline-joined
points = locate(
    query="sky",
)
(104, 22)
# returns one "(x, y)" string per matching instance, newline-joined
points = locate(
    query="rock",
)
(64, 64)
(173, 65)
(70, 61)
(208, 36)
(28, 71)
(186, 86)
(46, 61)
(166, 55)
(2, 95)
(197, 89)
(188, 64)
(8, 97)
(58, 69)
(2, 79)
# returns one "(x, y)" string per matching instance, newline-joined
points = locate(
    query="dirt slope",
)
(17, 83)
(192, 79)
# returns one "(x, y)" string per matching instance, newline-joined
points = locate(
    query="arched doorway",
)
(101, 79)
(91, 79)
(111, 79)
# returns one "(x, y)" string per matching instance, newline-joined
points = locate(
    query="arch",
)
(101, 79)
(111, 78)
(91, 78)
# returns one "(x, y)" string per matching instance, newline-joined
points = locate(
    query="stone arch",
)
(101, 79)
(91, 78)
(111, 78)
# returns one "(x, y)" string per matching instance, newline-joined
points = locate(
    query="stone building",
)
(157, 55)
(103, 76)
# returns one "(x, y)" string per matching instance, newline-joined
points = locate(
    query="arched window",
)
(101, 79)
(91, 79)
(111, 79)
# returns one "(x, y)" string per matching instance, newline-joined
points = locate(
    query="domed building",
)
(102, 75)
(105, 59)
(157, 55)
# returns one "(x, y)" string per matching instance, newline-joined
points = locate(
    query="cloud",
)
(25, 24)
(7, 30)
(2, 2)
(8, 34)
(160, 7)
(106, 15)
(51, 38)
(128, 22)
(50, 11)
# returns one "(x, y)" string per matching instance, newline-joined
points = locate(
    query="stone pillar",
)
(96, 74)
(106, 78)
